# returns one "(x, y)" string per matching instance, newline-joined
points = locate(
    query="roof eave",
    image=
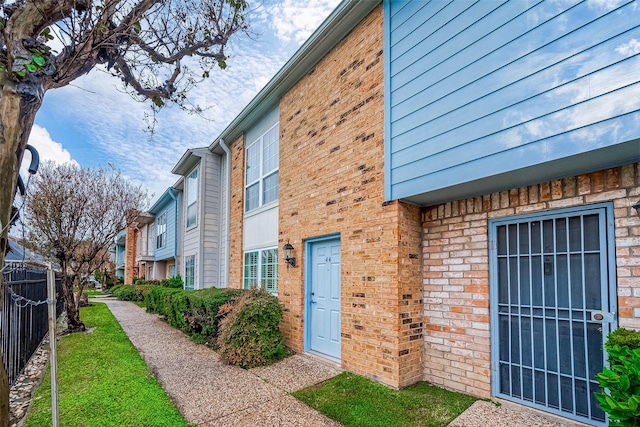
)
(340, 23)
(188, 161)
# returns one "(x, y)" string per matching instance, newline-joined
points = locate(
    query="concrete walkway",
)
(209, 393)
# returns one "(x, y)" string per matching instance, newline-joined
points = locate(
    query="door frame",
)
(308, 243)
(607, 234)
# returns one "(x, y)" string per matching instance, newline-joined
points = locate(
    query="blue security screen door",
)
(551, 308)
(324, 298)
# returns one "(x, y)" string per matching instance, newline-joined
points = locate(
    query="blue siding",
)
(166, 205)
(478, 92)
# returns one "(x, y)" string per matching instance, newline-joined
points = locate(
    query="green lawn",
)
(103, 381)
(358, 402)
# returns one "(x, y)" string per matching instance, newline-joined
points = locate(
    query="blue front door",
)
(323, 295)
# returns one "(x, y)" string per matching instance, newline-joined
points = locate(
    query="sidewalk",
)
(209, 393)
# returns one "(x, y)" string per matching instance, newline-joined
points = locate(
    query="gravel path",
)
(210, 393)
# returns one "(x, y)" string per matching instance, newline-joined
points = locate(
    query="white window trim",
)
(262, 175)
(261, 209)
(186, 211)
(259, 275)
(195, 270)
(164, 240)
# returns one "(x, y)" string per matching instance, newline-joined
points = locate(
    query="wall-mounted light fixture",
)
(288, 255)
(637, 207)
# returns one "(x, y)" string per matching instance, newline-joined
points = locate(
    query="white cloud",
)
(295, 20)
(111, 124)
(48, 149)
(628, 49)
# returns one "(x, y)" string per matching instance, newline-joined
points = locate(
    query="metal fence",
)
(24, 317)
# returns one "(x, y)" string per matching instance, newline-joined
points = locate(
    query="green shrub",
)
(621, 399)
(158, 298)
(172, 282)
(129, 292)
(137, 280)
(193, 312)
(250, 333)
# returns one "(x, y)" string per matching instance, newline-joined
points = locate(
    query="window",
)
(172, 271)
(262, 170)
(261, 269)
(161, 231)
(190, 272)
(192, 198)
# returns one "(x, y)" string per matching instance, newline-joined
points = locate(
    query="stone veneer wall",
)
(456, 267)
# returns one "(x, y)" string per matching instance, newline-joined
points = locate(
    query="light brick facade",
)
(236, 214)
(456, 267)
(414, 282)
(130, 270)
(331, 181)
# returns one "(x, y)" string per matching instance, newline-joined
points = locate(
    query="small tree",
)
(158, 48)
(73, 214)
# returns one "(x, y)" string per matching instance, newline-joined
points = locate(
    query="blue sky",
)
(92, 122)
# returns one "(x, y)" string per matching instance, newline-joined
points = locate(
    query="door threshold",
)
(326, 359)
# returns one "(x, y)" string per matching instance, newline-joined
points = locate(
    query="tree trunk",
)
(19, 103)
(74, 324)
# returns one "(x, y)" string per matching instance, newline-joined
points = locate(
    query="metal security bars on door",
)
(551, 309)
(24, 315)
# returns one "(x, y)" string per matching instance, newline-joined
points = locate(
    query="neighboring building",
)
(18, 254)
(201, 228)
(456, 180)
(144, 230)
(167, 237)
(118, 254)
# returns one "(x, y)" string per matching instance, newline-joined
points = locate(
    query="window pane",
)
(161, 230)
(270, 151)
(270, 188)
(261, 168)
(269, 276)
(250, 270)
(192, 212)
(192, 187)
(189, 272)
(253, 163)
(252, 197)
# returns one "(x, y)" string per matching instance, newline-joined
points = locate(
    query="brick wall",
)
(236, 214)
(130, 255)
(456, 269)
(331, 181)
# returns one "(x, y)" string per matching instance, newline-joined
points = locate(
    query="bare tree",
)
(73, 214)
(158, 48)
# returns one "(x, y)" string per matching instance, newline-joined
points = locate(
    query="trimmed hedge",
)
(193, 312)
(250, 334)
(129, 292)
(621, 382)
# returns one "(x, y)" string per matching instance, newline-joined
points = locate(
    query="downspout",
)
(227, 201)
(175, 229)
